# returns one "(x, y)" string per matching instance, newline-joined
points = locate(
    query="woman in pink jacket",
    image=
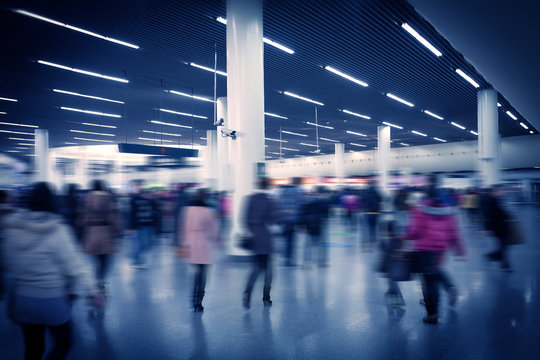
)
(433, 228)
(200, 236)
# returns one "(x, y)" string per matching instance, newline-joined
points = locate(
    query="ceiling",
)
(361, 38)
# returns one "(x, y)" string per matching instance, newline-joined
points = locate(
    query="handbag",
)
(182, 251)
(401, 266)
(246, 242)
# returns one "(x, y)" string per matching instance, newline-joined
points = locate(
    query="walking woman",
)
(41, 257)
(200, 234)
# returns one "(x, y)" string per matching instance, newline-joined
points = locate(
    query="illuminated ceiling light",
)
(91, 112)
(222, 20)
(70, 143)
(97, 140)
(184, 114)
(273, 152)
(91, 133)
(203, 138)
(393, 125)
(468, 78)
(511, 115)
(356, 114)
(319, 125)
(270, 139)
(8, 99)
(404, 144)
(524, 126)
(30, 154)
(348, 77)
(99, 125)
(499, 105)
(35, 16)
(3, 113)
(16, 124)
(458, 125)
(21, 139)
(87, 96)
(326, 139)
(302, 98)
(170, 124)
(531, 132)
(160, 133)
(208, 69)
(16, 132)
(314, 152)
(196, 97)
(157, 140)
(293, 133)
(441, 140)
(275, 115)
(22, 147)
(284, 148)
(25, 144)
(355, 133)
(420, 38)
(418, 133)
(83, 71)
(473, 132)
(312, 145)
(434, 115)
(359, 145)
(13, 151)
(392, 96)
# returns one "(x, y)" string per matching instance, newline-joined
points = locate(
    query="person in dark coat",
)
(259, 215)
(315, 214)
(497, 218)
(371, 199)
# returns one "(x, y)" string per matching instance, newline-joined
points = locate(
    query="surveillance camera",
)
(228, 133)
(219, 122)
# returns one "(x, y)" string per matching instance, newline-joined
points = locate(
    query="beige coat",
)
(101, 223)
(200, 230)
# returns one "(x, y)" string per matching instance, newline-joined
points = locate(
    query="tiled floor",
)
(318, 313)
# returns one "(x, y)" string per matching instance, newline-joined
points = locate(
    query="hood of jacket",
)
(28, 227)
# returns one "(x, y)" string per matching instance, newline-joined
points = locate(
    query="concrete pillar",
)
(211, 161)
(41, 159)
(245, 97)
(224, 174)
(488, 137)
(339, 154)
(383, 157)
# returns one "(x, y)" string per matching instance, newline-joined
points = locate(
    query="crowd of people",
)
(44, 238)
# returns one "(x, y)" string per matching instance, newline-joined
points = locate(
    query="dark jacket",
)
(259, 215)
(496, 217)
(314, 214)
(144, 212)
(371, 200)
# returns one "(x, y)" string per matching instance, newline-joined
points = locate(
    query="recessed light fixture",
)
(184, 114)
(348, 77)
(434, 115)
(326, 139)
(99, 125)
(87, 96)
(531, 132)
(355, 133)
(319, 125)
(418, 133)
(91, 133)
(91, 112)
(312, 145)
(43, 18)
(70, 143)
(359, 145)
(356, 114)
(275, 115)
(392, 125)
(524, 126)
(511, 115)
(392, 96)
(97, 140)
(16, 132)
(458, 125)
(222, 73)
(468, 78)
(441, 140)
(473, 132)
(404, 144)
(16, 124)
(288, 93)
(8, 99)
(196, 97)
(107, 77)
(293, 133)
(499, 105)
(160, 133)
(421, 39)
(284, 148)
(170, 124)
(270, 139)
(156, 140)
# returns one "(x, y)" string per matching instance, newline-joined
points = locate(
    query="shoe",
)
(452, 296)
(431, 319)
(198, 308)
(245, 301)
(267, 303)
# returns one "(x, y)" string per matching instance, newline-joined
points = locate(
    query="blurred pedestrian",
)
(5, 209)
(315, 214)
(371, 201)
(497, 217)
(41, 257)
(72, 210)
(291, 202)
(200, 236)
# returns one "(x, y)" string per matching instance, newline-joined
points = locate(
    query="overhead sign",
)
(157, 150)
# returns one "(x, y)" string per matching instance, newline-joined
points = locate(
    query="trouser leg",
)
(254, 274)
(34, 341)
(62, 341)
(266, 265)
(289, 239)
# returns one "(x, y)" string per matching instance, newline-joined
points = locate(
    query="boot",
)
(246, 299)
(266, 296)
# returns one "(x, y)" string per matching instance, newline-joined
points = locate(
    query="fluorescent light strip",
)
(499, 105)
(98, 140)
(107, 77)
(170, 124)
(91, 112)
(208, 69)
(359, 145)
(356, 114)
(35, 16)
(355, 133)
(524, 126)
(312, 145)
(270, 139)
(13, 151)
(348, 77)
(422, 40)
(458, 125)
(22, 148)
(418, 133)
(87, 96)
(314, 152)
(393, 125)
(473, 132)
(160, 133)
(21, 139)
(8, 99)
(531, 132)
(511, 115)
(326, 139)
(434, 115)
(293, 133)
(275, 115)
(468, 78)
(441, 140)
(318, 125)
(16, 124)
(3, 113)
(392, 96)
(16, 132)
(284, 148)
(275, 153)
(99, 125)
(196, 97)
(70, 143)
(404, 144)
(203, 138)
(266, 40)
(155, 140)
(288, 93)
(91, 133)
(184, 114)
(25, 144)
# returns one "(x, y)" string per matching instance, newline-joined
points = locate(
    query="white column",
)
(211, 162)
(41, 159)
(224, 174)
(339, 157)
(245, 97)
(383, 156)
(488, 137)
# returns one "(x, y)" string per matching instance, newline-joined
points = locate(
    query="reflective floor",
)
(318, 313)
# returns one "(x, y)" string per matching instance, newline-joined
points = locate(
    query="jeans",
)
(34, 341)
(199, 283)
(288, 232)
(371, 220)
(144, 238)
(263, 262)
(427, 265)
